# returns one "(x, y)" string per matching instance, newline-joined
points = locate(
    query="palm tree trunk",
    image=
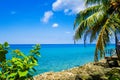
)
(116, 40)
(96, 55)
(117, 46)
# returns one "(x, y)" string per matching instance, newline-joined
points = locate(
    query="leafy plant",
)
(21, 66)
(3, 51)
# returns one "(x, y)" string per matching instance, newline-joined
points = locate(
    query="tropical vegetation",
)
(100, 20)
(3, 51)
(20, 66)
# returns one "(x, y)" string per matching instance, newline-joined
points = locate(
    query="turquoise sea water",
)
(58, 57)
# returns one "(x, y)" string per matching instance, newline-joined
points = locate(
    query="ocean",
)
(58, 57)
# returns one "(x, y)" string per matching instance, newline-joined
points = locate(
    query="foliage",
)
(21, 66)
(3, 51)
(99, 21)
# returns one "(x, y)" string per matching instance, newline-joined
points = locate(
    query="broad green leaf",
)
(31, 65)
(11, 75)
(22, 73)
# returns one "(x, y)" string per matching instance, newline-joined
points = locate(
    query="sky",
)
(38, 21)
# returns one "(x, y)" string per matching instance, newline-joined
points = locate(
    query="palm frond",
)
(80, 30)
(88, 32)
(104, 37)
(93, 2)
(82, 15)
(89, 23)
(115, 23)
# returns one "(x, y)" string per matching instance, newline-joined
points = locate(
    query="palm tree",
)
(100, 20)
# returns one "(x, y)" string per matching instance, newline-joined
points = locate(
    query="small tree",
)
(3, 51)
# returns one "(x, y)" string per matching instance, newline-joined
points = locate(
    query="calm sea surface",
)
(58, 57)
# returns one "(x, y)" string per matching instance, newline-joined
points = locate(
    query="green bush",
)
(21, 66)
(3, 51)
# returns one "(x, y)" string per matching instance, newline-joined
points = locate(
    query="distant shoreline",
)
(56, 44)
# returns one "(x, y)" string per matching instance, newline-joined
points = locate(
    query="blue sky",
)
(38, 21)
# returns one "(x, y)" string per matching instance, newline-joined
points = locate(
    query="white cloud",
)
(66, 10)
(55, 25)
(68, 6)
(67, 32)
(47, 16)
(13, 12)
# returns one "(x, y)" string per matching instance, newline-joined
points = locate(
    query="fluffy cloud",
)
(68, 6)
(55, 25)
(47, 16)
(67, 32)
(13, 12)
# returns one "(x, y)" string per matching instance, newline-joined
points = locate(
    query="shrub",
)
(3, 51)
(21, 66)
